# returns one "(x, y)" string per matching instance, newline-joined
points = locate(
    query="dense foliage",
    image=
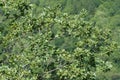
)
(51, 44)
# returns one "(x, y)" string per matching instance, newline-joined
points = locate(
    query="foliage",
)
(29, 48)
(69, 6)
(108, 15)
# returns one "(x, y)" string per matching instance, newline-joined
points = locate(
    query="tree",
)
(69, 6)
(29, 51)
(107, 15)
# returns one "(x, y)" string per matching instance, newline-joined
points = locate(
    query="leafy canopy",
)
(30, 48)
